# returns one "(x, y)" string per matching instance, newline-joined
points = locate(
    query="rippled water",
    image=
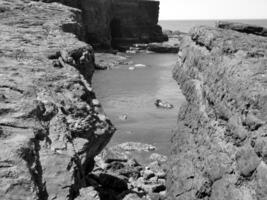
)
(122, 91)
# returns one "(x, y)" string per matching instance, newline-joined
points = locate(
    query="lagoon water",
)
(122, 91)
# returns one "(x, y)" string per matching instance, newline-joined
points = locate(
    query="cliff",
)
(51, 124)
(219, 148)
(118, 23)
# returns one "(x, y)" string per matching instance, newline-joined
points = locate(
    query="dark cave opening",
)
(115, 31)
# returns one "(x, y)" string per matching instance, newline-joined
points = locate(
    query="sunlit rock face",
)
(118, 23)
(219, 148)
(51, 125)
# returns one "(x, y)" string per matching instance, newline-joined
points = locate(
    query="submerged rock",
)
(163, 47)
(131, 68)
(163, 104)
(140, 65)
(123, 117)
(136, 146)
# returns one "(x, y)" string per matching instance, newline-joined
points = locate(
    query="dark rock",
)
(158, 188)
(162, 104)
(112, 182)
(118, 23)
(163, 48)
(243, 28)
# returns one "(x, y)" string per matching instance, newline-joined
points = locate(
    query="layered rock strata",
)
(51, 124)
(118, 23)
(219, 148)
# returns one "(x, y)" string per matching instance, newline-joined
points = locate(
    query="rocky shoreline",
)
(218, 150)
(54, 131)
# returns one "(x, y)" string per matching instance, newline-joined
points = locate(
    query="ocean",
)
(186, 25)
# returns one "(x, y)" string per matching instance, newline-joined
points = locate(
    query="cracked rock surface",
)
(51, 124)
(219, 148)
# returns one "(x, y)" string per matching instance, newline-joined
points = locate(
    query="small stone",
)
(163, 193)
(162, 181)
(131, 68)
(139, 65)
(56, 64)
(102, 117)
(95, 102)
(132, 196)
(88, 193)
(158, 157)
(136, 146)
(163, 104)
(247, 160)
(161, 174)
(148, 174)
(100, 131)
(131, 51)
(123, 117)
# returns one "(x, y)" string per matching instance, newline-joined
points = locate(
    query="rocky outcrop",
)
(118, 23)
(51, 124)
(219, 148)
(243, 28)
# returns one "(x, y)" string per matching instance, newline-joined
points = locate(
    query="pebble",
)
(102, 117)
(131, 68)
(123, 117)
(140, 65)
(95, 102)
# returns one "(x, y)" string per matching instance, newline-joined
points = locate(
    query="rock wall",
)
(51, 124)
(219, 148)
(118, 23)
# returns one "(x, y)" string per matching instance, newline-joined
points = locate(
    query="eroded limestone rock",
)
(218, 150)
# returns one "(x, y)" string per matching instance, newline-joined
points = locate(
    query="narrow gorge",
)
(54, 131)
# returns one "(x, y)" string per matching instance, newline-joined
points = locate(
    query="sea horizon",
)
(185, 25)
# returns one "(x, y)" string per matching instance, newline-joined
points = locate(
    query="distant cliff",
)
(219, 150)
(118, 23)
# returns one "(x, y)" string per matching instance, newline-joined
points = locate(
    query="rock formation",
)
(219, 148)
(51, 124)
(118, 23)
(243, 28)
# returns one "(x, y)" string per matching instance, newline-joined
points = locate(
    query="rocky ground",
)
(219, 149)
(52, 126)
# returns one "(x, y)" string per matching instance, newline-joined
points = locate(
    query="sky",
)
(213, 9)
